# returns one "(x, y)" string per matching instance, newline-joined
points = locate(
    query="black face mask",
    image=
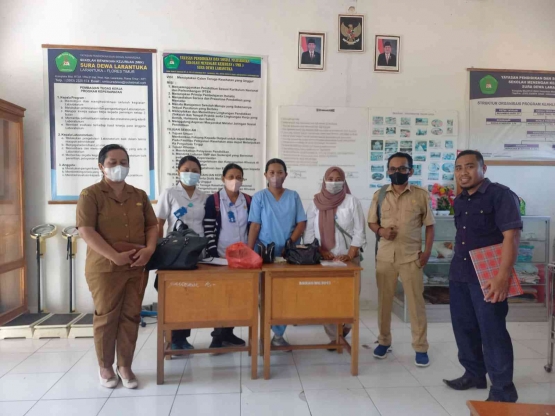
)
(399, 178)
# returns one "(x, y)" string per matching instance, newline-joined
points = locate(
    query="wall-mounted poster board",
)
(429, 136)
(512, 116)
(97, 96)
(311, 139)
(360, 140)
(213, 106)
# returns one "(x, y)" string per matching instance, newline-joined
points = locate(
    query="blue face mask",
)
(189, 178)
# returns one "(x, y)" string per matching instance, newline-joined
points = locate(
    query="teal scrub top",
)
(277, 219)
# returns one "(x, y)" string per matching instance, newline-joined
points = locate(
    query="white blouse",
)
(349, 216)
(174, 203)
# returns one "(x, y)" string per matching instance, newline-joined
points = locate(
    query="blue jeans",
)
(483, 341)
(279, 330)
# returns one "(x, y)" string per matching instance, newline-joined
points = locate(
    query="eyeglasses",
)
(402, 169)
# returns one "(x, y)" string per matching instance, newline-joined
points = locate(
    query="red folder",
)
(486, 262)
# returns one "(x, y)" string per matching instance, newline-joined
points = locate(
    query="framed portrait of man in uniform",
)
(351, 33)
(387, 54)
(311, 50)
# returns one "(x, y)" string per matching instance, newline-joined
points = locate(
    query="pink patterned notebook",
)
(486, 262)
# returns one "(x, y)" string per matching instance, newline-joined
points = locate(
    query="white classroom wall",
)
(440, 39)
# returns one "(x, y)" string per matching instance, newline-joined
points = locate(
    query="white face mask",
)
(233, 185)
(117, 173)
(276, 181)
(189, 178)
(334, 187)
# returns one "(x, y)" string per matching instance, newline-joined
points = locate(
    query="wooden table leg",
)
(354, 349)
(160, 356)
(267, 310)
(262, 308)
(354, 339)
(253, 331)
(254, 351)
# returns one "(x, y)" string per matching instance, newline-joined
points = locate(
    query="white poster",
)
(311, 139)
(512, 114)
(94, 98)
(214, 108)
(429, 136)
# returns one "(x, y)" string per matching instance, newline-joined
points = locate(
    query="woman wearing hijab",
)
(336, 219)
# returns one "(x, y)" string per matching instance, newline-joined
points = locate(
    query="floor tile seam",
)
(437, 401)
(65, 374)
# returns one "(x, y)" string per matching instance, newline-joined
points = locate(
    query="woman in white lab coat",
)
(336, 219)
(184, 202)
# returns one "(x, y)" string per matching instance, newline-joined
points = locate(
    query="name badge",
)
(180, 212)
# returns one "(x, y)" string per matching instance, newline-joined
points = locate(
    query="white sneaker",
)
(109, 383)
(278, 341)
(128, 383)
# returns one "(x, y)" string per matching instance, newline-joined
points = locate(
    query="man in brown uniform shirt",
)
(111, 212)
(405, 209)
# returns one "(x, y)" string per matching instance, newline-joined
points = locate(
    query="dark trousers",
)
(180, 335)
(483, 341)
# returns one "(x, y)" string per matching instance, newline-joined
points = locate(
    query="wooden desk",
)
(308, 295)
(509, 409)
(209, 297)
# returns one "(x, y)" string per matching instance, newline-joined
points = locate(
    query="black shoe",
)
(465, 383)
(508, 395)
(231, 340)
(216, 343)
(492, 398)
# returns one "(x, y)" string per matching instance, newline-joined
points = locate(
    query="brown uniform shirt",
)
(123, 219)
(408, 212)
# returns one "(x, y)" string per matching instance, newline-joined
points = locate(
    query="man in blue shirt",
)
(486, 214)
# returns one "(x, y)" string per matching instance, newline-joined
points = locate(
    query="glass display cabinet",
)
(531, 267)
(13, 297)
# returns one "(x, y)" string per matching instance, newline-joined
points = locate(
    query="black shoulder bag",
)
(303, 254)
(179, 250)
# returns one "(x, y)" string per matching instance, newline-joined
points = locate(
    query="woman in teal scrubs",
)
(276, 215)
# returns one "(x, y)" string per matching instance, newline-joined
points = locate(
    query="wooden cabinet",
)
(13, 296)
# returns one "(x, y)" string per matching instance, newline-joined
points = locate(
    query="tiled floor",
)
(59, 377)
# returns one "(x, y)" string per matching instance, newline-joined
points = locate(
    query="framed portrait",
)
(387, 54)
(351, 33)
(312, 51)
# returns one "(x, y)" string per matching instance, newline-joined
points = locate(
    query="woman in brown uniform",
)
(110, 212)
